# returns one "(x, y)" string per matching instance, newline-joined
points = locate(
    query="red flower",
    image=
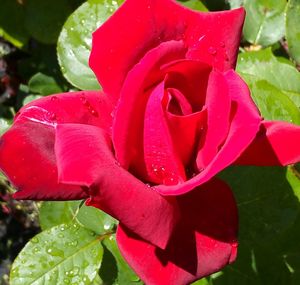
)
(173, 114)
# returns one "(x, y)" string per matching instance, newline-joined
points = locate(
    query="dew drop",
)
(74, 243)
(35, 240)
(36, 249)
(62, 228)
(201, 38)
(66, 281)
(84, 101)
(170, 179)
(54, 98)
(212, 51)
(52, 116)
(107, 226)
(93, 112)
(222, 44)
(76, 270)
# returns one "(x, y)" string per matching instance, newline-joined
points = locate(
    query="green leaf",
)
(193, 4)
(272, 103)
(56, 213)
(264, 23)
(95, 220)
(235, 3)
(269, 233)
(75, 42)
(12, 16)
(275, 85)
(202, 281)
(292, 29)
(44, 19)
(65, 254)
(43, 84)
(122, 274)
(4, 125)
(30, 98)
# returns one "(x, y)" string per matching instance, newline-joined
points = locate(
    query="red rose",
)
(172, 115)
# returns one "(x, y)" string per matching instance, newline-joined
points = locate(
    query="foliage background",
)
(44, 47)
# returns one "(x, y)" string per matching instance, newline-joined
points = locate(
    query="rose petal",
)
(218, 103)
(184, 75)
(244, 126)
(185, 132)
(27, 159)
(129, 117)
(277, 143)
(142, 25)
(27, 149)
(78, 152)
(203, 243)
(114, 190)
(162, 162)
(87, 107)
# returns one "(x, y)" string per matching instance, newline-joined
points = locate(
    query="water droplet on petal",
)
(54, 98)
(93, 112)
(52, 116)
(171, 179)
(84, 101)
(212, 51)
(222, 44)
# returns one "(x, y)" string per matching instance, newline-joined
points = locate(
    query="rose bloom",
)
(173, 113)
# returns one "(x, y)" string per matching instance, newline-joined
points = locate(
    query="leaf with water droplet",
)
(75, 42)
(55, 213)
(62, 260)
(275, 86)
(95, 220)
(264, 24)
(292, 29)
